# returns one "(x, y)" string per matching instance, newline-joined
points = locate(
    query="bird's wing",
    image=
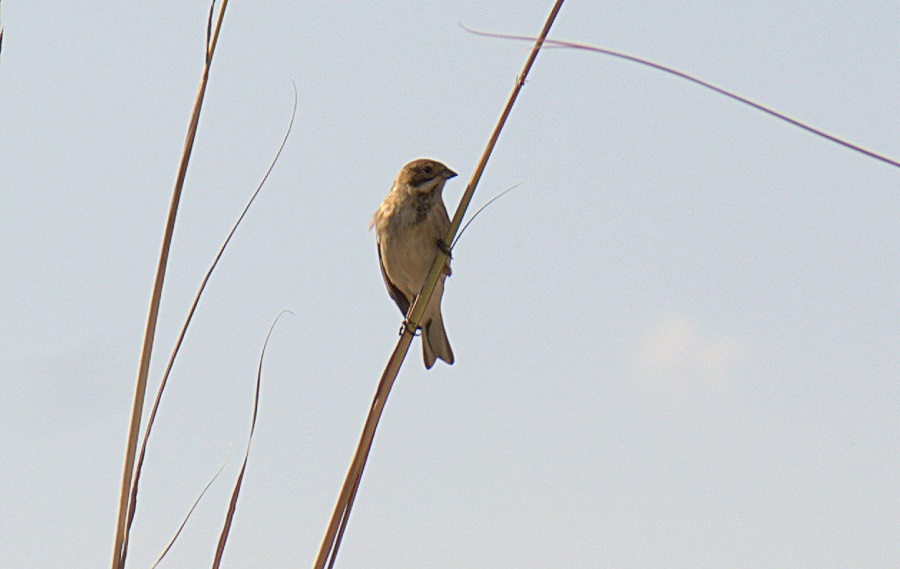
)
(396, 293)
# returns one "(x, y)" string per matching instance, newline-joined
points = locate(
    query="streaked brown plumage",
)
(409, 224)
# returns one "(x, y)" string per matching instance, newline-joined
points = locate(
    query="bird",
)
(410, 225)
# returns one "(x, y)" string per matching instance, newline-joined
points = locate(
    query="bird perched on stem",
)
(410, 225)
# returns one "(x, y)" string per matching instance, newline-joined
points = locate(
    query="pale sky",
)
(676, 341)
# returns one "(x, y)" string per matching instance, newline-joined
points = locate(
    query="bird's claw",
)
(445, 249)
(407, 328)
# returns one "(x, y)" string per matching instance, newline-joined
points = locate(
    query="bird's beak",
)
(448, 173)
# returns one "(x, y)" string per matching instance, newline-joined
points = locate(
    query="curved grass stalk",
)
(187, 516)
(660, 67)
(235, 493)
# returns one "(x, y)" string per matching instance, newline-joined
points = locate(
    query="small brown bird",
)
(410, 225)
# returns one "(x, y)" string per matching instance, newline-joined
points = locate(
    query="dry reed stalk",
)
(121, 537)
(340, 515)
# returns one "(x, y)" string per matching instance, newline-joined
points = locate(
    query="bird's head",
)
(424, 175)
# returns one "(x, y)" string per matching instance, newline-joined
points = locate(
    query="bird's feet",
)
(407, 328)
(445, 249)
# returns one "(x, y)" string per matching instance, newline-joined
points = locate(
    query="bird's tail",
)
(434, 341)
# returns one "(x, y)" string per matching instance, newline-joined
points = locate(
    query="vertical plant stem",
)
(341, 513)
(140, 388)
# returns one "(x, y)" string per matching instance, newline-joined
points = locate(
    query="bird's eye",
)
(428, 169)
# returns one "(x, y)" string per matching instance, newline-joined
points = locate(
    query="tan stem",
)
(345, 499)
(140, 388)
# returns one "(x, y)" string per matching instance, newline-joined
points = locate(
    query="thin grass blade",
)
(190, 511)
(705, 84)
(232, 506)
